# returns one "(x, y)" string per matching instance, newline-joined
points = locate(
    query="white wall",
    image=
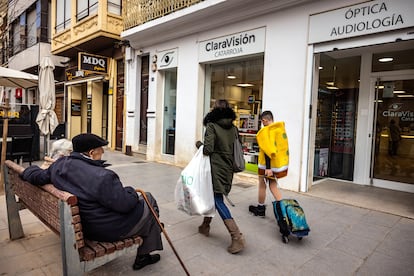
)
(284, 82)
(187, 95)
(286, 85)
(132, 89)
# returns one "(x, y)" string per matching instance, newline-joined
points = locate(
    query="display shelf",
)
(250, 147)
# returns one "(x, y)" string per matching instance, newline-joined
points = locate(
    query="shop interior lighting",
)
(245, 84)
(386, 59)
(379, 101)
(332, 87)
(331, 84)
(399, 92)
(405, 96)
(380, 86)
(320, 67)
(230, 73)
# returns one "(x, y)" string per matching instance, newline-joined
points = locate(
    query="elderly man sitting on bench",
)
(109, 211)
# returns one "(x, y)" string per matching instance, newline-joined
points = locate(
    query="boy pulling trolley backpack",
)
(273, 163)
(290, 218)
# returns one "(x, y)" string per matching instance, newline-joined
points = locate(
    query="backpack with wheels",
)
(291, 219)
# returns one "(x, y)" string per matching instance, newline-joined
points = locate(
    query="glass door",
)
(393, 131)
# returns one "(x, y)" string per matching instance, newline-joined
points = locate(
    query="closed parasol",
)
(47, 119)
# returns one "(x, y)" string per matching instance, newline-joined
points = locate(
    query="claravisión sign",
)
(234, 45)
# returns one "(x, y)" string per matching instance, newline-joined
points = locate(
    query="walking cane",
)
(162, 228)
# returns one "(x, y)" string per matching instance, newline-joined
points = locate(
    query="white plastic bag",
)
(194, 189)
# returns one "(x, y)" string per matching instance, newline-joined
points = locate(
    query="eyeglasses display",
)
(343, 127)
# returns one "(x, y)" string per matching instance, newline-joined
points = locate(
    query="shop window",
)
(241, 84)
(336, 117)
(170, 95)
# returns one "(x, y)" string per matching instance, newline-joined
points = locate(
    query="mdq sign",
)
(93, 63)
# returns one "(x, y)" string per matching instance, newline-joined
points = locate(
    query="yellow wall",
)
(101, 24)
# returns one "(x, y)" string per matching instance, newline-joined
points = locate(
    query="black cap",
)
(86, 141)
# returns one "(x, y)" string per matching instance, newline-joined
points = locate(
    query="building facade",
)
(317, 65)
(87, 33)
(25, 41)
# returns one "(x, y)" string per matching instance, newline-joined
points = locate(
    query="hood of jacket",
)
(224, 117)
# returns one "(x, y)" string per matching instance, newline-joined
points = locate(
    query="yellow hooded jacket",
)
(273, 142)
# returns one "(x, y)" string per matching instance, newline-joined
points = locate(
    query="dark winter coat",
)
(108, 210)
(218, 144)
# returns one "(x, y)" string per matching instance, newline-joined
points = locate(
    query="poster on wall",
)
(76, 108)
(323, 161)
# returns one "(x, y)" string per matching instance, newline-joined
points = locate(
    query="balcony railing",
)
(137, 12)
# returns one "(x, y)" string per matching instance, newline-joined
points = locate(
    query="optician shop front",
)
(316, 66)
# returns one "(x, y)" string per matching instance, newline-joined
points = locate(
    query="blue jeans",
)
(221, 207)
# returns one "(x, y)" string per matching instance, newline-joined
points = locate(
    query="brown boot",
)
(237, 239)
(204, 228)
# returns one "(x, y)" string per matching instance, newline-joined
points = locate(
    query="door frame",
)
(374, 77)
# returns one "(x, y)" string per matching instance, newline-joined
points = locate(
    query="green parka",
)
(218, 144)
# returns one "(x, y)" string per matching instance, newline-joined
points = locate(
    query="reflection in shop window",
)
(394, 131)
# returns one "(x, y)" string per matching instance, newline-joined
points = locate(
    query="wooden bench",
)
(59, 211)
